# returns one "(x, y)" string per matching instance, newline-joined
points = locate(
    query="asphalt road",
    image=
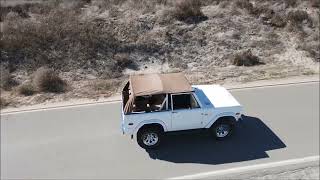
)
(281, 123)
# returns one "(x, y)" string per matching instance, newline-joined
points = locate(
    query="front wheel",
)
(222, 130)
(149, 138)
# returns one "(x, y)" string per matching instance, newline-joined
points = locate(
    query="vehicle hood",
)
(215, 95)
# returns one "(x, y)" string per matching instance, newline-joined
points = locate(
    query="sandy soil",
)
(203, 50)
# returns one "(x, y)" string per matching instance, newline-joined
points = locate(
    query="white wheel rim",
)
(222, 130)
(150, 139)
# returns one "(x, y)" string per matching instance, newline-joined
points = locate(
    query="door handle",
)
(204, 114)
(174, 112)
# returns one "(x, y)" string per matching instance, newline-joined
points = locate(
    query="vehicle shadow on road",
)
(250, 141)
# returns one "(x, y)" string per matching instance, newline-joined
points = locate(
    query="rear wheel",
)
(149, 138)
(222, 130)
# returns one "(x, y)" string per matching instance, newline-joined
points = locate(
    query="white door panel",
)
(187, 119)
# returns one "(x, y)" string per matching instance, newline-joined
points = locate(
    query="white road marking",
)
(60, 107)
(270, 85)
(249, 168)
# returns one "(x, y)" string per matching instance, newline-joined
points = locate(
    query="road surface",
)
(281, 123)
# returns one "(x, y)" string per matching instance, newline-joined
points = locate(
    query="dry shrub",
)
(12, 16)
(26, 89)
(106, 86)
(223, 4)
(165, 16)
(188, 11)
(145, 6)
(66, 39)
(60, 39)
(236, 35)
(123, 61)
(74, 4)
(312, 48)
(6, 80)
(176, 61)
(210, 2)
(235, 11)
(246, 58)
(315, 3)
(179, 64)
(48, 80)
(244, 4)
(3, 103)
(106, 4)
(21, 10)
(263, 10)
(278, 21)
(109, 74)
(290, 3)
(24, 10)
(255, 10)
(142, 6)
(296, 17)
(102, 86)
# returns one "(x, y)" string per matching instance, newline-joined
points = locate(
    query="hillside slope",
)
(93, 45)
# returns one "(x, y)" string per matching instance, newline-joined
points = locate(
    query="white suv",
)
(154, 104)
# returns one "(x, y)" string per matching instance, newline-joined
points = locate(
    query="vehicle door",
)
(186, 112)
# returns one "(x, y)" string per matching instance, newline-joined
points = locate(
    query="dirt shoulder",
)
(116, 96)
(298, 171)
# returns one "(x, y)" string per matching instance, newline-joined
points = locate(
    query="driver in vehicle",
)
(157, 102)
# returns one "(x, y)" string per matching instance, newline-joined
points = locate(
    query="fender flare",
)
(216, 117)
(151, 121)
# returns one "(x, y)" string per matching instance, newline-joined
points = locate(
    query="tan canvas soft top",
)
(150, 84)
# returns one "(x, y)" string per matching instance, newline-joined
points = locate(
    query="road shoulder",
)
(308, 170)
(117, 97)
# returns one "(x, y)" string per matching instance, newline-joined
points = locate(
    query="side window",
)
(194, 102)
(158, 102)
(184, 101)
(152, 103)
(140, 104)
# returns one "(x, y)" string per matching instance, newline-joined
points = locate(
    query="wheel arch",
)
(227, 116)
(150, 123)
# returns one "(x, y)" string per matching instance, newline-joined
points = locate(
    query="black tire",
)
(142, 138)
(222, 130)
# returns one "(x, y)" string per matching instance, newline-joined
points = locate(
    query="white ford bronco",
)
(154, 104)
